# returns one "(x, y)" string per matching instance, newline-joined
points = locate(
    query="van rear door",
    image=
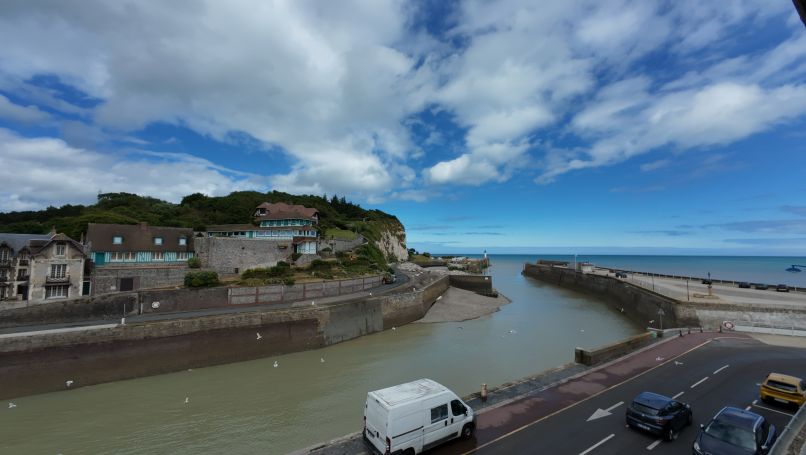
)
(377, 418)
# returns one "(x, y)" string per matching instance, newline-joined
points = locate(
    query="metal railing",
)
(789, 433)
(57, 279)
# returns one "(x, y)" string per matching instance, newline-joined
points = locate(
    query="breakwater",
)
(37, 363)
(643, 305)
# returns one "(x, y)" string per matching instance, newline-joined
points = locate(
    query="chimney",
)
(52, 231)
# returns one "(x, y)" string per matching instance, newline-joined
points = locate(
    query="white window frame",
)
(117, 240)
(183, 241)
(4, 254)
(181, 255)
(157, 256)
(61, 249)
(157, 240)
(60, 291)
(58, 270)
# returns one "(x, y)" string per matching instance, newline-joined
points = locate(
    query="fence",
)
(692, 278)
(784, 444)
(282, 293)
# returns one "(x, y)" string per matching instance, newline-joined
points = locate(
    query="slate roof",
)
(35, 242)
(137, 237)
(17, 241)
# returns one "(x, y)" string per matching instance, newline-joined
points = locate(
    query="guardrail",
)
(693, 278)
(784, 442)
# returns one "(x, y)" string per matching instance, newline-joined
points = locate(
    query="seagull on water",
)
(11, 405)
(276, 364)
(512, 331)
(68, 382)
(187, 400)
(581, 330)
(258, 336)
(622, 309)
(678, 363)
(321, 360)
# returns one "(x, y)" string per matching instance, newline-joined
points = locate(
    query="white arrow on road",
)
(604, 412)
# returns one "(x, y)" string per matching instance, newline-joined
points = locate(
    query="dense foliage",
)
(195, 211)
(201, 279)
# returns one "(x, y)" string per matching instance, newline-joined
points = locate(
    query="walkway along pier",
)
(655, 299)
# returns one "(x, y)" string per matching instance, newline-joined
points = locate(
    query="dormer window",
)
(183, 241)
(117, 240)
(61, 249)
(157, 240)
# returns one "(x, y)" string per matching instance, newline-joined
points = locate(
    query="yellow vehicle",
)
(782, 387)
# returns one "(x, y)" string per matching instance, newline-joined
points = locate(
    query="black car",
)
(744, 285)
(735, 431)
(708, 282)
(658, 414)
(621, 275)
(761, 287)
(782, 288)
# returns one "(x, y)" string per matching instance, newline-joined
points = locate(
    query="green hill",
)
(195, 211)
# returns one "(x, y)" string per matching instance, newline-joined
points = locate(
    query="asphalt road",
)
(398, 285)
(723, 372)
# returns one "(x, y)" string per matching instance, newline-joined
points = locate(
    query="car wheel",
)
(409, 451)
(767, 400)
(467, 431)
(671, 435)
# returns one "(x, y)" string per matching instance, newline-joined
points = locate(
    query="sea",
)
(753, 269)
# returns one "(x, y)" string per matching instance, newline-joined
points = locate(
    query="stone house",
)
(129, 257)
(39, 268)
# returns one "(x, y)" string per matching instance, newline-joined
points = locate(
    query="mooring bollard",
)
(483, 393)
(689, 330)
(681, 332)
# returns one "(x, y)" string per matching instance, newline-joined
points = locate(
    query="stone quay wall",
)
(38, 363)
(479, 284)
(612, 351)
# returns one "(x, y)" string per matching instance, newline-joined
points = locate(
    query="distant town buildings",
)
(37, 268)
(130, 257)
(278, 221)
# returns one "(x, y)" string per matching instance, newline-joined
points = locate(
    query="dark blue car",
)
(658, 414)
(735, 431)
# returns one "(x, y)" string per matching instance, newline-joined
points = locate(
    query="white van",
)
(409, 418)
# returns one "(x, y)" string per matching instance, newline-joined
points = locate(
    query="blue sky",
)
(511, 126)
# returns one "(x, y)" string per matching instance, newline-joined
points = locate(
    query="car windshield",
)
(645, 409)
(731, 434)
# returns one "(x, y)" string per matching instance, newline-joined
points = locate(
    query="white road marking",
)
(654, 444)
(773, 410)
(676, 396)
(748, 407)
(699, 382)
(599, 413)
(597, 444)
(717, 371)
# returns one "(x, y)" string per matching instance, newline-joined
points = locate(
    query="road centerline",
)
(720, 369)
(654, 444)
(591, 448)
(699, 382)
(678, 395)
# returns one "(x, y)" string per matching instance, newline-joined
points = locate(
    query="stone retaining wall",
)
(479, 284)
(612, 351)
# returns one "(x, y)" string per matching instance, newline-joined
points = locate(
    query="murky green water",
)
(254, 407)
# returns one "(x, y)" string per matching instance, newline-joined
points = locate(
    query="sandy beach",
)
(460, 305)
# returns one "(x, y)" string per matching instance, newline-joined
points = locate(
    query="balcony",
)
(22, 262)
(5, 263)
(57, 279)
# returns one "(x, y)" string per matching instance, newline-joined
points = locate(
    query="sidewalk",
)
(514, 405)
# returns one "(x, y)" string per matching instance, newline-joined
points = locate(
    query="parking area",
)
(576, 418)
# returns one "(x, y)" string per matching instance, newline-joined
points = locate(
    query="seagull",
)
(276, 364)
(582, 330)
(11, 405)
(622, 309)
(259, 337)
(658, 358)
(370, 294)
(512, 331)
(321, 360)
(460, 327)
(651, 321)
(187, 400)
(313, 302)
(439, 297)
(68, 382)
(678, 363)
(393, 328)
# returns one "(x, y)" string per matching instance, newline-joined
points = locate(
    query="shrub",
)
(201, 279)
(283, 264)
(289, 282)
(427, 254)
(194, 262)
